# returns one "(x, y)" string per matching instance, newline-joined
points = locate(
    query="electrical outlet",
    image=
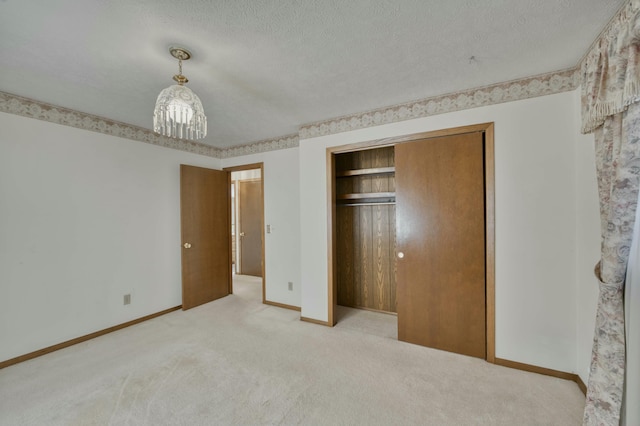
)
(268, 229)
(127, 299)
(290, 286)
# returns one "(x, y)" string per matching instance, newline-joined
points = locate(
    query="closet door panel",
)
(393, 273)
(345, 255)
(440, 227)
(381, 299)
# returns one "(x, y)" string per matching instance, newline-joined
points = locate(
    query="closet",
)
(365, 229)
(413, 235)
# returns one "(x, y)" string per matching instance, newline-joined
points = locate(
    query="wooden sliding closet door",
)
(440, 221)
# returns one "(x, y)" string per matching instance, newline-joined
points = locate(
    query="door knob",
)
(400, 255)
(242, 234)
(186, 245)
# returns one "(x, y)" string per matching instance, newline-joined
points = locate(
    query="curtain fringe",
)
(610, 60)
(601, 110)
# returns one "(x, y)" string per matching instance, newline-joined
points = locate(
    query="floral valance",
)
(611, 70)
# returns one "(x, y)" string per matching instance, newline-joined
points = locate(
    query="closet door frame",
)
(489, 180)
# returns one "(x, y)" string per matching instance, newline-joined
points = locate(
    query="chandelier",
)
(179, 112)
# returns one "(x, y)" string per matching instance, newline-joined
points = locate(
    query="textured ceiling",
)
(264, 68)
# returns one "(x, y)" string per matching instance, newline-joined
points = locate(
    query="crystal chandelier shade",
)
(179, 112)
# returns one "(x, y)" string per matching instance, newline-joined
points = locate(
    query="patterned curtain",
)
(610, 109)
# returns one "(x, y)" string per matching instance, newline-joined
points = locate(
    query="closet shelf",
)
(362, 172)
(371, 197)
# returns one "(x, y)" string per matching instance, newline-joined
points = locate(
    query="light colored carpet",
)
(238, 362)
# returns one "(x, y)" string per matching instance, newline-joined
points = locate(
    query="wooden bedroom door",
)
(440, 228)
(206, 235)
(250, 225)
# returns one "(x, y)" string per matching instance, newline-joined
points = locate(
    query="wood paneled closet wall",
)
(365, 229)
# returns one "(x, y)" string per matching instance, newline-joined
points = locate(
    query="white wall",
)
(535, 148)
(282, 212)
(587, 247)
(84, 219)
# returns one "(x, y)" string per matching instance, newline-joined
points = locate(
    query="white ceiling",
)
(264, 68)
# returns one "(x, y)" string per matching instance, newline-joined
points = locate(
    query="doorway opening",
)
(247, 227)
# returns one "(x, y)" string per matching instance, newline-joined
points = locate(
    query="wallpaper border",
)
(540, 85)
(283, 142)
(30, 108)
(515, 90)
